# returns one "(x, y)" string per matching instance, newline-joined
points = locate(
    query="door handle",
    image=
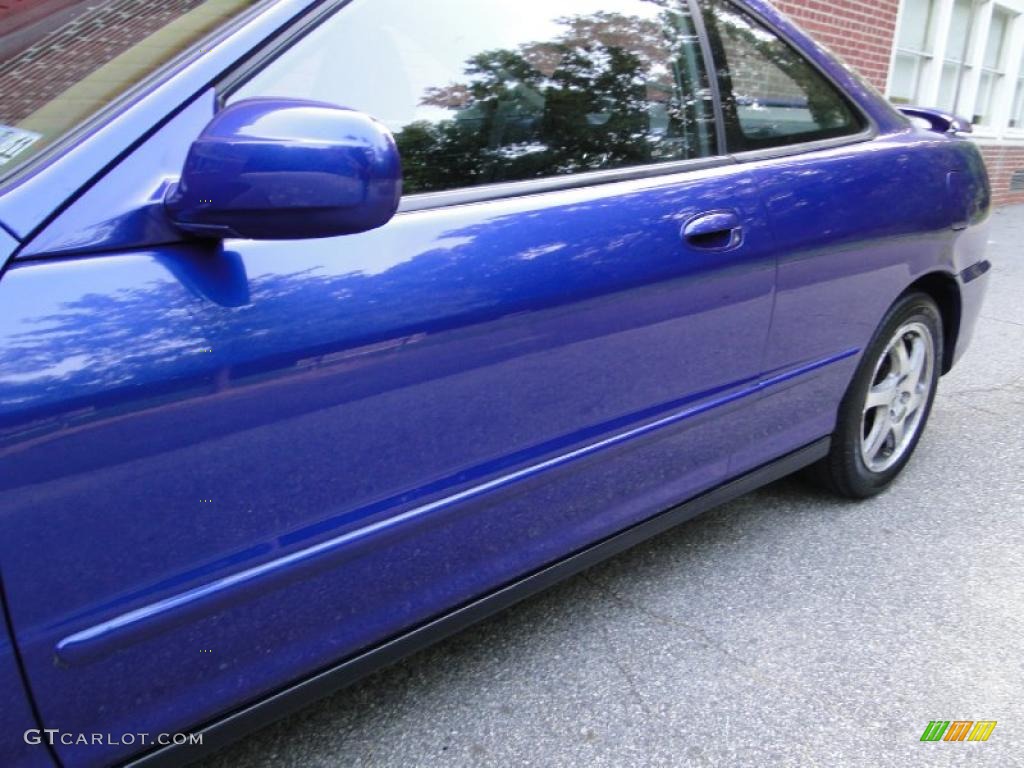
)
(715, 231)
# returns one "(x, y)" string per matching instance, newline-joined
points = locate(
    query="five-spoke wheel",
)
(895, 403)
(886, 407)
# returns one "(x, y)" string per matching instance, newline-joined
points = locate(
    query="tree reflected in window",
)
(562, 92)
(612, 91)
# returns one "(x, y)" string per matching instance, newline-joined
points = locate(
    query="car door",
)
(230, 464)
(842, 184)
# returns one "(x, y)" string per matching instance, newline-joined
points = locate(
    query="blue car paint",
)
(280, 169)
(846, 253)
(486, 342)
(286, 452)
(96, 221)
(16, 717)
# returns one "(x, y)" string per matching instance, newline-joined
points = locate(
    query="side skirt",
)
(235, 726)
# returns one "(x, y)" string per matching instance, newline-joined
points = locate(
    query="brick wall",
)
(99, 32)
(15, 14)
(860, 31)
(1002, 162)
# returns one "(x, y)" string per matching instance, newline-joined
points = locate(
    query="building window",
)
(993, 66)
(956, 66)
(1017, 116)
(963, 57)
(914, 50)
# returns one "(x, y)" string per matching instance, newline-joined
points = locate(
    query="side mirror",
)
(939, 121)
(275, 169)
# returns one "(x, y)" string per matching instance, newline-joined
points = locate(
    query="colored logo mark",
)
(958, 730)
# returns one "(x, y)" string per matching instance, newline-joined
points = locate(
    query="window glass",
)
(483, 92)
(948, 86)
(960, 30)
(986, 89)
(915, 25)
(905, 78)
(1017, 115)
(60, 62)
(955, 69)
(992, 67)
(771, 95)
(913, 50)
(996, 39)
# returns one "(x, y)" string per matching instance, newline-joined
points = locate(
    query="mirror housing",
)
(939, 121)
(276, 169)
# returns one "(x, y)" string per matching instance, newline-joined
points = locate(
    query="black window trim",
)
(709, 67)
(422, 201)
(278, 44)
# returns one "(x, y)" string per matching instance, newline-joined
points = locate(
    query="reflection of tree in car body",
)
(611, 90)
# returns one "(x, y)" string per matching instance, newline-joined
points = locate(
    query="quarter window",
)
(771, 95)
(484, 92)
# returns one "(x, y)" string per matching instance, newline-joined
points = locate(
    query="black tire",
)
(844, 471)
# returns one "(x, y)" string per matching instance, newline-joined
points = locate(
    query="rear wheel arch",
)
(884, 386)
(945, 292)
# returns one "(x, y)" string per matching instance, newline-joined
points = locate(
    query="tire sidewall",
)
(863, 482)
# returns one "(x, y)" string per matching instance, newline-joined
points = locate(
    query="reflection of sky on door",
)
(380, 56)
(49, 293)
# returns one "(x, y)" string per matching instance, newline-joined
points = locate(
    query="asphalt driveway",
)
(783, 629)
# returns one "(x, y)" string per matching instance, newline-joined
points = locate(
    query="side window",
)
(771, 95)
(484, 92)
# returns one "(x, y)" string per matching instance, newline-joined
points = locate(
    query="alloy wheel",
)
(896, 400)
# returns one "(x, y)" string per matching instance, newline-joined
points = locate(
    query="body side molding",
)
(151, 619)
(238, 724)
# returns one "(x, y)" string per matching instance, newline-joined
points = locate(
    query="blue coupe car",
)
(329, 327)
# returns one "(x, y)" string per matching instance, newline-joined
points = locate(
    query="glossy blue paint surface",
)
(939, 120)
(225, 465)
(15, 712)
(452, 400)
(846, 253)
(277, 169)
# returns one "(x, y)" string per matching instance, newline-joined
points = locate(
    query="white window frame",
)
(1010, 74)
(1017, 86)
(923, 59)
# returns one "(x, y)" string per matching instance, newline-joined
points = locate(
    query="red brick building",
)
(965, 56)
